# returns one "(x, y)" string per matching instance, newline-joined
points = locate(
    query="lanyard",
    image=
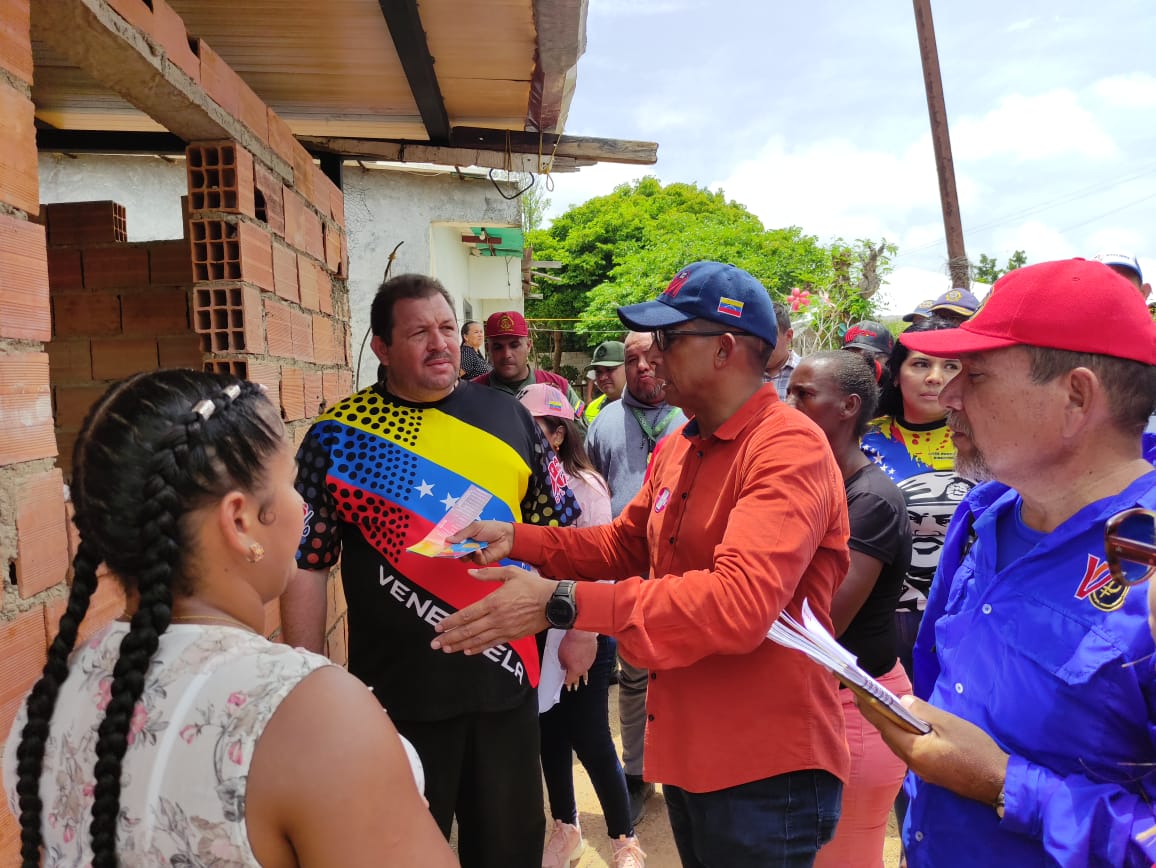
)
(653, 433)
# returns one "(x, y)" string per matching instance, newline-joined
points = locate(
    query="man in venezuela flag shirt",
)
(377, 473)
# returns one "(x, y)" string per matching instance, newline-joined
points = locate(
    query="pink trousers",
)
(876, 776)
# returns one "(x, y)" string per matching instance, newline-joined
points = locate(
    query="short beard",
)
(973, 466)
(654, 395)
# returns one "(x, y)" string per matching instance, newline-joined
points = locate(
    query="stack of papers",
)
(813, 640)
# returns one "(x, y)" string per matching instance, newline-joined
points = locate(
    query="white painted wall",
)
(150, 188)
(427, 210)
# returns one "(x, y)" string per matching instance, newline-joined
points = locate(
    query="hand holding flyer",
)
(464, 513)
(813, 640)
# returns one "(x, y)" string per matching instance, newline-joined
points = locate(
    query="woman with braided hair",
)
(178, 735)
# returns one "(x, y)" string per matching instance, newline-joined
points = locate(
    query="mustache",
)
(439, 357)
(956, 423)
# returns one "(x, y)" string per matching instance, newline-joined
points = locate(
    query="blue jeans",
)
(777, 822)
(581, 722)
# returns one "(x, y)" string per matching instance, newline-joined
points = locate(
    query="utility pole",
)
(940, 139)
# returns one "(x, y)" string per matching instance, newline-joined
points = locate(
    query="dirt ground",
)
(654, 830)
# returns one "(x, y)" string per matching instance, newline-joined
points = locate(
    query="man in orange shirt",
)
(743, 516)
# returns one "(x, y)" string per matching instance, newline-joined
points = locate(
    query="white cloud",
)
(922, 236)
(834, 188)
(1135, 91)
(1022, 24)
(1040, 241)
(1044, 126)
(573, 188)
(656, 118)
(904, 288)
(1117, 239)
(639, 8)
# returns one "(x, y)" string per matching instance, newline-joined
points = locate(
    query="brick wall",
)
(270, 299)
(117, 309)
(270, 295)
(257, 287)
(33, 539)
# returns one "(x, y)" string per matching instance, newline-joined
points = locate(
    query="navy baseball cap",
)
(922, 311)
(713, 291)
(958, 301)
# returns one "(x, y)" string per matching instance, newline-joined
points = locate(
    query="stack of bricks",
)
(269, 260)
(118, 308)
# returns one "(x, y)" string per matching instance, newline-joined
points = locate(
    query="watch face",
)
(560, 611)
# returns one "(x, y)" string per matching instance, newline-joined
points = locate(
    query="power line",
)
(1075, 195)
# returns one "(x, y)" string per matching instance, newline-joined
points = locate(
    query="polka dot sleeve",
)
(321, 536)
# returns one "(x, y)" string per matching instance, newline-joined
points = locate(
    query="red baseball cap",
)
(510, 323)
(1072, 304)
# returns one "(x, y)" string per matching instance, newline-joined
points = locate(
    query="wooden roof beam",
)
(579, 147)
(416, 152)
(561, 26)
(330, 151)
(413, 50)
(118, 56)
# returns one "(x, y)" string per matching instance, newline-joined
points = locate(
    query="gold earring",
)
(256, 552)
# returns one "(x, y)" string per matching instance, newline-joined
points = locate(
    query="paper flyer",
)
(464, 513)
(813, 640)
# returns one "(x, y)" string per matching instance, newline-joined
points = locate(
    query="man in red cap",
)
(508, 345)
(1033, 662)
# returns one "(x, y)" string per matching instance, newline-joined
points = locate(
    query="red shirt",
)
(730, 530)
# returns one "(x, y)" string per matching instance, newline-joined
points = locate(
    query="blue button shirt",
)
(1037, 654)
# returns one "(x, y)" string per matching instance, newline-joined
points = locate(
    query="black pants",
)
(581, 722)
(484, 769)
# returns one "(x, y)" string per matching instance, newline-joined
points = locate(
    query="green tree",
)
(987, 270)
(623, 247)
(535, 203)
(857, 272)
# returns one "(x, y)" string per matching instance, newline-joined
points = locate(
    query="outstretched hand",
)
(956, 755)
(499, 536)
(516, 609)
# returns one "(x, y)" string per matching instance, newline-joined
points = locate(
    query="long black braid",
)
(144, 459)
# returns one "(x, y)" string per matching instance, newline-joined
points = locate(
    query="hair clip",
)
(207, 407)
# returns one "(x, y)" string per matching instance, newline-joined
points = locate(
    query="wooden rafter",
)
(581, 150)
(413, 50)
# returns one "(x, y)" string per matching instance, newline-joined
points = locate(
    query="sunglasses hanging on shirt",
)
(1130, 543)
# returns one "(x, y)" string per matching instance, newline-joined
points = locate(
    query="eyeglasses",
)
(1130, 542)
(662, 336)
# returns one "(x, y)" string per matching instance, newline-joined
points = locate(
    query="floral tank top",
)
(208, 695)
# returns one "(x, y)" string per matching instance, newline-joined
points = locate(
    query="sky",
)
(815, 115)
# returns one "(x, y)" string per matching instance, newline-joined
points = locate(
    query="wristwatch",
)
(561, 610)
(998, 804)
